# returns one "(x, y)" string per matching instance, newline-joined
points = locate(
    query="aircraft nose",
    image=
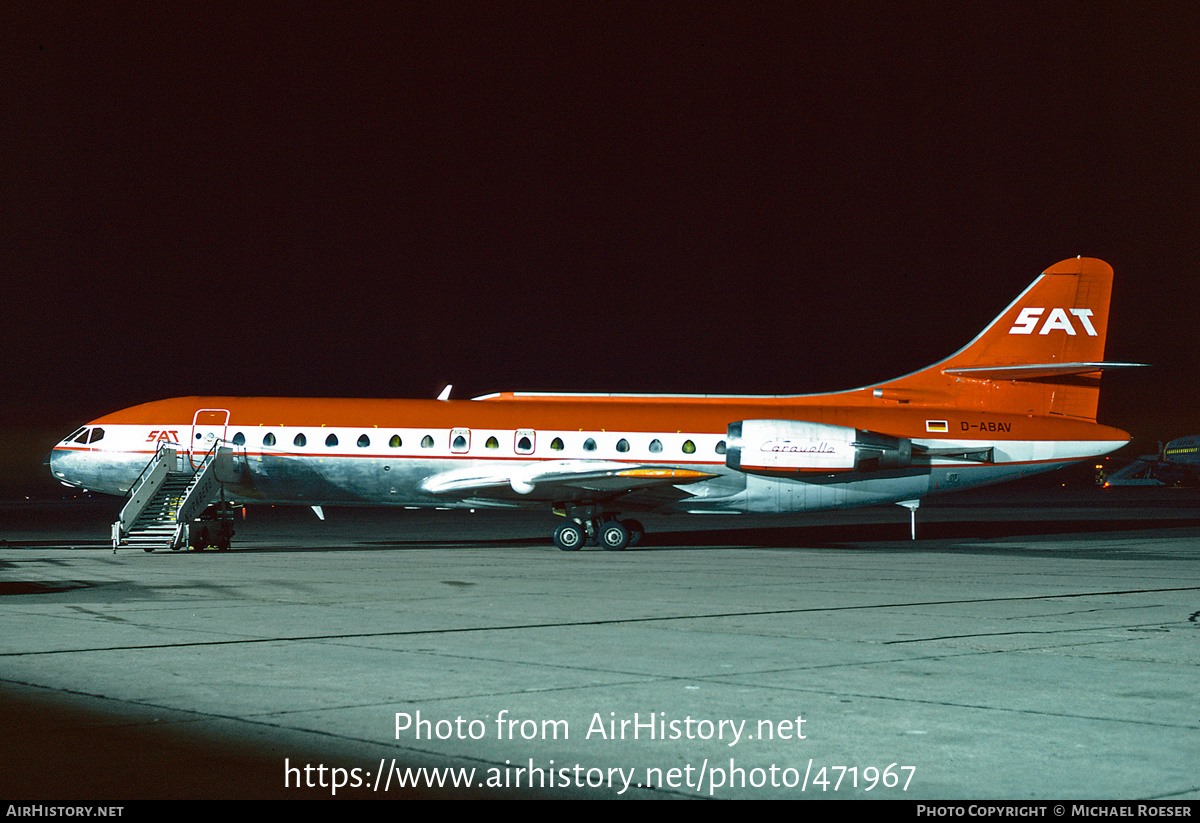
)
(54, 462)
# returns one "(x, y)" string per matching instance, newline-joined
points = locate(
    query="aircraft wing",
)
(558, 480)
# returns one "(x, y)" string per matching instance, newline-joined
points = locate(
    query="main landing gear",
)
(607, 532)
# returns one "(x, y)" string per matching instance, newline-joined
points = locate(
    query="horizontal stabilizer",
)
(1033, 371)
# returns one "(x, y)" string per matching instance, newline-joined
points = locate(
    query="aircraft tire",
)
(614, 537)
(569, 537)
(636, 532)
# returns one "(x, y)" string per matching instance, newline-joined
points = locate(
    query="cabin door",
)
(208, 426)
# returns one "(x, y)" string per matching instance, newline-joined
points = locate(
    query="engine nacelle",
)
(796, 446)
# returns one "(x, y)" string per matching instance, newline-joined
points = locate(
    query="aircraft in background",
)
(1019, 399)
(1176, 464)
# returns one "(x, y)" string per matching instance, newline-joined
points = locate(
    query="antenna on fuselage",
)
(445, 395)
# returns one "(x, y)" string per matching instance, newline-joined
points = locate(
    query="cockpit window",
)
(97, 434)
(82, 438)
(74, 434)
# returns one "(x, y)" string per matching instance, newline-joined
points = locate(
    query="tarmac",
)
(1035, 644)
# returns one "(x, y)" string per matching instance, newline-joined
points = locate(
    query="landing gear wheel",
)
(614, 537)
(569, 537)
(636, 532)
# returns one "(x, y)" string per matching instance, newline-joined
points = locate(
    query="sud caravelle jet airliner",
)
(1019, 399)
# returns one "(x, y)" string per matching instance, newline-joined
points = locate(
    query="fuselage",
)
(412, 452)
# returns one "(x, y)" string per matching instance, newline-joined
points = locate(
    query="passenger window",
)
(589, 445)
(655, 446)
(556, 444)
(622, 445)
(269, 439)
(492, 443)
(363, 441)
(721, 447)
(300, 440)
(459, 444)
(689, 447)
(395, 442)
(331, 440)
(427, 442)
(239, 439)
(524, 441)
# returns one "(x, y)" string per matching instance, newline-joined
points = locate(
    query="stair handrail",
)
(130, 510)
(165, 445)
(209, 455)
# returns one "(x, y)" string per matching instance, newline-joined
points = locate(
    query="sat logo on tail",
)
(1027, 321)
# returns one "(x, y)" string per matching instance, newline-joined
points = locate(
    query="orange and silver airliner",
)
(1019, 399)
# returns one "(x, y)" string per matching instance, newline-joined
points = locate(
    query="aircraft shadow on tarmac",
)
(859, 536)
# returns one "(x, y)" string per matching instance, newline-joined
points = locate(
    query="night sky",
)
(316, 200)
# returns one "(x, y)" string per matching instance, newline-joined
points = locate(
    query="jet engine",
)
(791, 446)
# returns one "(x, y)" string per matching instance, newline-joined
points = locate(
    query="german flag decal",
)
(936, 426)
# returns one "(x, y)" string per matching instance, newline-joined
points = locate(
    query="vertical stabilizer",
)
(1042, 355)
(1061, 318)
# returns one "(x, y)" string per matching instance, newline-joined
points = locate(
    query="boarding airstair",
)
(171, 492)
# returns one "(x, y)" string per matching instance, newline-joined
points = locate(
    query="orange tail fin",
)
(1042, 356)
